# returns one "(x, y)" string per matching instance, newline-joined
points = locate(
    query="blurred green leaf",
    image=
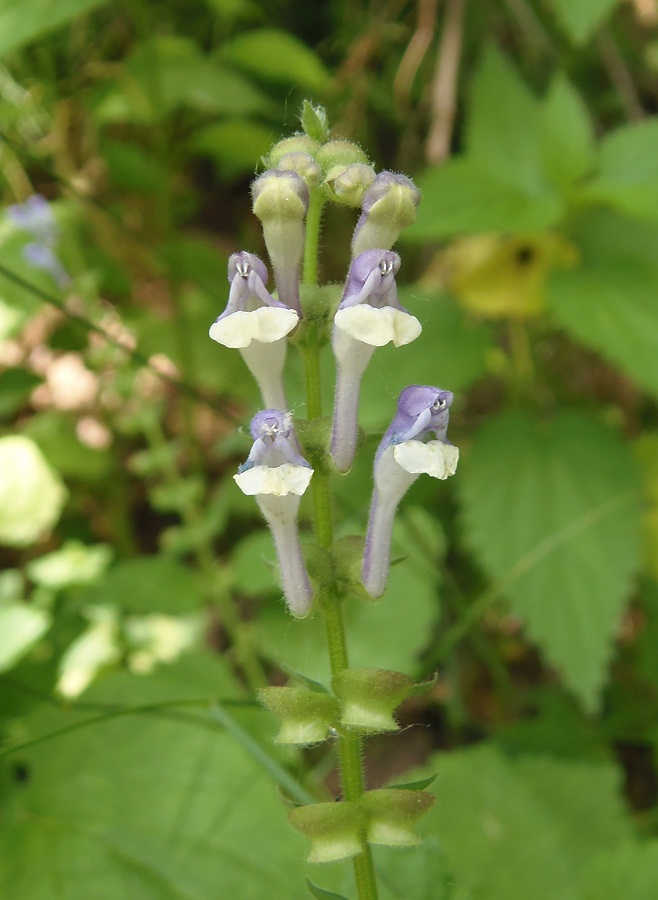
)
(525, 827)
(21, 23)
(74, 563)
(234, 145)
(147, 807)
(148, 584)
(628, 174)
(552, 512)
(503, 123)
(132, 168)
(16, 385)
(253, 564)
(608, 302)
(279, 56)
(55, 435)
(567, 138)
(167, 72)
(580, 19)
(21, 626)
(631, 872)
(321, 894)
(464, 197)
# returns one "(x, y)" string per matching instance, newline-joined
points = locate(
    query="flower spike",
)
(370, 315)
(256, 324)
(402, 456)
(276, 475)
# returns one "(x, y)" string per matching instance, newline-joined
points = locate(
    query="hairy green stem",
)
(350, 746)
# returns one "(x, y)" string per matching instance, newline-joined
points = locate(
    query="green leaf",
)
(148, 584)
(503, 127)
(464, 196)
(314, 122)
(552, 513)
(628, 176)
(608, 302)
(278, 56)
(630, 872)
(527, 827)
(235, 145)
(145, 807)
(567, 137)
(21, 23)
(16, 385)
(581, 19)
(414, 785)
(321, 894)
(21, 626)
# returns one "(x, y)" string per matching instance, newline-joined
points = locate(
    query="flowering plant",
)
(304, 174)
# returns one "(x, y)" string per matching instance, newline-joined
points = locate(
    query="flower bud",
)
(298, 143)
(348, 184)
(369, 697)
(389, 205)
(335, 829)
(281, 202)
(340, 153)
(304, 165)
(391, 813)
(305, 717)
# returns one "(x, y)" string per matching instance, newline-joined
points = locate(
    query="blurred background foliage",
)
(138, 600)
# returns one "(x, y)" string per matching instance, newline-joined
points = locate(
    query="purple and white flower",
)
(277, 476)
(403, 454)
(36, 217)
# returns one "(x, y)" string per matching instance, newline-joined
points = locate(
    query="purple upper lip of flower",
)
(421, 409)
(271, 430)
(371, 280)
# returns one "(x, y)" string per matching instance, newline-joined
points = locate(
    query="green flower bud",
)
(306, 717)
(340, 153)
(388, 206)
(298, 143)
(280, 202)
(304, 165)
(369, 697)
(391, 814)
(348, 184)
(335, 829)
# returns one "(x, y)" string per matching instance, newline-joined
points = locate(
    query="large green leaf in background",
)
(628, 171)
(580, 18)
(500, 184)
(23, 22)
(278, 56)
(552, 513)
(567, 137)
(609, 302)
(513, 829)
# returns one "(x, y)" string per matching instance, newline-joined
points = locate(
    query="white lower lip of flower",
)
(378, 326)
(433, 458)
(278, 481)
(266, 324)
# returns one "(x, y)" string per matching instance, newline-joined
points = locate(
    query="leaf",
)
(21, 626)
(145, 807)
(567, 137)
(631, 872)
(147, 584)
(608, 303)
(465, 197)
(25, 22)
(581, 19)
(235, 145)
(279, 56)
(502, 131)
(524, 827)
(16, 385)
(628, 175)
(321, 894)
(414, 785)
(552, 513)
